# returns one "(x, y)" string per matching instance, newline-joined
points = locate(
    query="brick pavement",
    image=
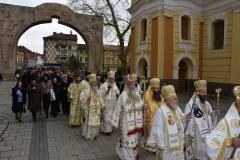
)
(55, 140)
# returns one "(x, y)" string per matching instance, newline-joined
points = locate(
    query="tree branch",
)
(114, 18)
(126, 30)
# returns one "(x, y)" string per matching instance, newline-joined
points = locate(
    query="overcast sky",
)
(33, 37)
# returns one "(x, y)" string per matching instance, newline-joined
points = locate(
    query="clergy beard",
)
(202, 98)
(95, 89)
(156, 96)
(173, 107)
(133, 95)
(238, 99)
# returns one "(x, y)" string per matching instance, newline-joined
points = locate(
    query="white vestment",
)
(128, 117)
(217, 142)
(198, 128)
(167, 133)
(109, 104)
(85, 83)
(139, 89)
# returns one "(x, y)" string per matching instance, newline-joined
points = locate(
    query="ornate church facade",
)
(183, 40)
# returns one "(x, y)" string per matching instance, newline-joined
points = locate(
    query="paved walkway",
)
(53, 139)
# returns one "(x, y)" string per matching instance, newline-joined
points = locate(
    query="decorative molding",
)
(142, 45)
(194, 72)
(143, 56)
(236, 7)
(187, 44)
(189, 6)
(213, 18)
(145, 7)
(149, 6)
(219, 6)
(139, 40)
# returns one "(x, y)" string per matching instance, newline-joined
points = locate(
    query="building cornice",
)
(191, 6)
(219, 6)
(143, 7)
(236, 7)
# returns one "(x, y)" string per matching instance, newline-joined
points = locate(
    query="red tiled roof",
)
(27, 52)
(23, 49)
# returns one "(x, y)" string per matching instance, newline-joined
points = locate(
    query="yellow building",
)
(111, 57)
(182, 40)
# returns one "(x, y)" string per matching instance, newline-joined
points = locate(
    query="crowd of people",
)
(146, 114)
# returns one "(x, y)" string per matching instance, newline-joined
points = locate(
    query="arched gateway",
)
(15, 20)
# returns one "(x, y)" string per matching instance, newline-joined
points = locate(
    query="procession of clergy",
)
(151, 119)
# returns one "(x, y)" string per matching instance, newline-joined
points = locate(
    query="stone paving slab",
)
(17, 140)
(53, 139)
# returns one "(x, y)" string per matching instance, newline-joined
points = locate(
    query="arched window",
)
(144, 29)
(186, 27)
(218, 34)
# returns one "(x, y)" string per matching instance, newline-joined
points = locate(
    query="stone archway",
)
(15, 20)
(185, 68)
(142, 68)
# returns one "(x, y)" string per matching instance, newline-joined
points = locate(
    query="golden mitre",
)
(168, 91)
(132, 78)
(92, 77)
(236, 92)
(155, 82)
(111, 74)
(200, 85)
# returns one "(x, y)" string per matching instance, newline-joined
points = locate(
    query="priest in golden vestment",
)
(92, 105)
(221, 142)
(152, 100)
(167, 133)
(74, 91)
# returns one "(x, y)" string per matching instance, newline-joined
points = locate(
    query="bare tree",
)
(116, 21)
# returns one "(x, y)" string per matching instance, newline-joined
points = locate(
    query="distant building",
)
(59, 47)
(82, 54)
(26, 57)
(40, 60)
(20, 57)
(111, 57)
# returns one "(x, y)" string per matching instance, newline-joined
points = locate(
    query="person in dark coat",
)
(46, 86)
(64, 95)
(56, 100)
(34, 99)
(24, 79)
(18, 100)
